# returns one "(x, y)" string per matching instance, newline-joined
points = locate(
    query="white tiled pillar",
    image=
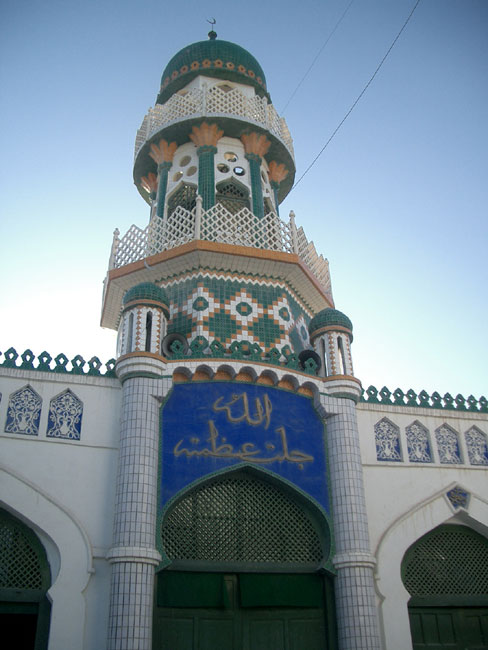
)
(133, 555)
(357, 618)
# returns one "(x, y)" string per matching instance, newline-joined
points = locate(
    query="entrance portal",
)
(24, 580)
(246, 558)
(446, 573)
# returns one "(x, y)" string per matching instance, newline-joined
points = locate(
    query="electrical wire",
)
(316, 57)
(358, 97)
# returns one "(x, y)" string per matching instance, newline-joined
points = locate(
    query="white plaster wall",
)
(406, 500)
(64, 490)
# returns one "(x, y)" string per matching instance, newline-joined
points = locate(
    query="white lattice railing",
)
(213, 101)
(219, 225)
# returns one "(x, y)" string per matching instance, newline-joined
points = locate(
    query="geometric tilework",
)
(226, 308)
(387, 438)
(448, 445)
(65, 412)
(418, 443)
(477, 446)
(24, 412)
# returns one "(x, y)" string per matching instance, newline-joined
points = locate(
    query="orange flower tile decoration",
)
(277, 171)
(256, 143)
(163, 152)
(206, 135)
(150, 182)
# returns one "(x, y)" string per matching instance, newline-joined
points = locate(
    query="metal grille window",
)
(232, 196)
(184, 196)
(239, 519)
(20, 561)
(451, 560)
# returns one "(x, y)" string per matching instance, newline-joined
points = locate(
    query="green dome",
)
(328, 317)
(146, 291)
(212, 58)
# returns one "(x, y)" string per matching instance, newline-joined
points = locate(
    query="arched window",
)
(446, 574)
(130, 333)
(342, 356)
(323, 356)
(148, 331)
(184, 196)
(232, 195)
(239, 520)
(25, 578)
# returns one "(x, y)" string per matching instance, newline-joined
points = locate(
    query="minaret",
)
(219, 293)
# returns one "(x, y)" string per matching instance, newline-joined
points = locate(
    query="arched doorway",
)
(446, 574)
(24, 580)
(245, 555)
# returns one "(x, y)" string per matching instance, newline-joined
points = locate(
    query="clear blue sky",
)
(397, 202)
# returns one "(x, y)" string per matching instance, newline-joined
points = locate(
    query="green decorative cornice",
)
(45, 363)
(200, 348)
(423, 400)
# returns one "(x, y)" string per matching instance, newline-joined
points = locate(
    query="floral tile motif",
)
(458, 497)
(418, 443)
(387, 439)
(65, 413)
(448, 445)
(24, 412)
(477, 446)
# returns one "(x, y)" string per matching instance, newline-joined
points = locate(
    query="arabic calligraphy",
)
(246, 452)
(262, 414)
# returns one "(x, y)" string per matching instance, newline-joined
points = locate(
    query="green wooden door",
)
(459, 628)
(236, 614)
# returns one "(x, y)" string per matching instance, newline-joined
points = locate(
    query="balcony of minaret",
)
(208, 97)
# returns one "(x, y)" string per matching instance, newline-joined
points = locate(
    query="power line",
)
(316, 57)
(358, 97)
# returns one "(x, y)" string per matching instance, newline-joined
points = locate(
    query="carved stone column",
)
(162, 154)
(256, 145)
(206, 137)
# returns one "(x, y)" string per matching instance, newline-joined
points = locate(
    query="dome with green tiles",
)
(146, 291)
(212, 58)
(329, 317)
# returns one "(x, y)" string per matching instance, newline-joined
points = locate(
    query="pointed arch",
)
(399, 537)
(183, 195)
(68, 550)
(233, 195)
(244, 518)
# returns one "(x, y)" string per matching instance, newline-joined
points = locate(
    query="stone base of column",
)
(131, 599)
(357, 619)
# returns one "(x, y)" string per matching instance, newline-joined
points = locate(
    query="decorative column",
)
(162, 154)
(150, 184)
(357, 617)
(133, 556)
(277, 173)
(256, 145)
(206, 137)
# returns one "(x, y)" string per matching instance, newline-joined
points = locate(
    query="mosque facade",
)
(225, 482)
